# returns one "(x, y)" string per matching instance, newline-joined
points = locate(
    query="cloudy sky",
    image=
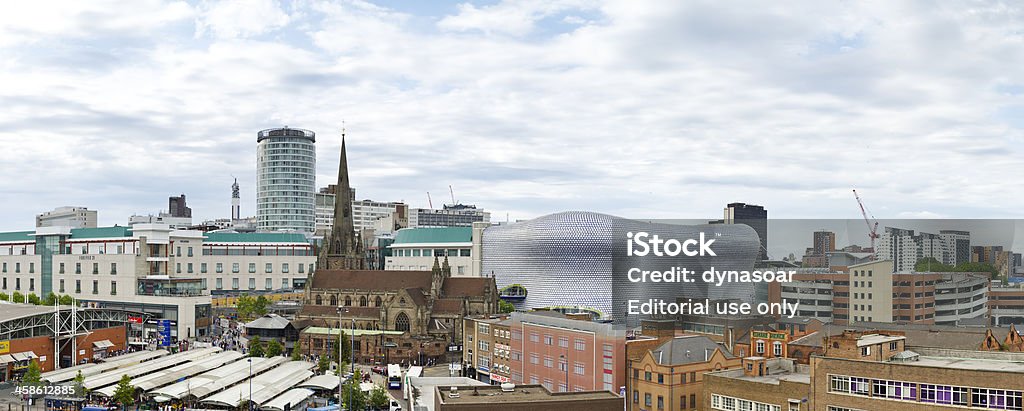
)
(655, 109)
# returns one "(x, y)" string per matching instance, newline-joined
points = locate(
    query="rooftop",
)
(434, 235)
(493, 394)
(357, 332)
(874, 339)
(779, 369)
(20, 236)
(100, 232)
(687, 349)
(255, 238)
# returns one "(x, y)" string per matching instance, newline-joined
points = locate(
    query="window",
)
(234, 267)
(897, 390)
(269, 268)
(220, 283)
(31, 284)
(78, 286)
(269, 284)
(636, 396)
(302, 269)
(234, 283)
(284, 283)
(113, 268)
(61, 286)
(190, 251)
(284, 268)
(484, 345)
(777, 348)
(78, 268)
(580, 345)
(252, 283)
(563, 342)
(579, 369)
(647, 375)
(548, 340)
(17, 283)
(190, 268)
(31, 267)
(647, 399)
(252, 268)
(113, 288)
(178, 253)
(95, 286)
(534, 337)
(661, 378)
(893, 346)
(534, 359)
(865, 351)
(177, 268)
(61, 268)
(17, 267)
(220, 268)
(548, 362)
(202, 268)
(661, 402)
(760, 347)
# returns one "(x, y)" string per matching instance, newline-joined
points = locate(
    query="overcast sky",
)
(657, 109)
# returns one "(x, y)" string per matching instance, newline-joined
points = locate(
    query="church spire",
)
(343, 249)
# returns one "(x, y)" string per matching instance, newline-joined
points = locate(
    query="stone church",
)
(407, 308)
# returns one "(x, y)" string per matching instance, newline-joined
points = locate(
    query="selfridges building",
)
(578, 261)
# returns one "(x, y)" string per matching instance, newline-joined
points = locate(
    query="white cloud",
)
(240, 18)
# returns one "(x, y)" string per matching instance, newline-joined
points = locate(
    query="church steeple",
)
(343, 250)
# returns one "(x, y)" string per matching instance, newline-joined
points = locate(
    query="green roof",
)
(434, 235)
(348, 331)
(17, 236)
(100, 232)
(255, 238)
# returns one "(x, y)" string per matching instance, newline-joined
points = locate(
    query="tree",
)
(4, 297)
(66, 300)
(51, 299)
(354, 397)
(379, 398)
(33, 299)
(274, 348)
(346, 347)
(505, 307)
(79, 384)
(323, 364)
(930, 264)
(243, 305)
(33, 375)
(124, 394)
(296, 353)
(17, 297)
(255, 347)
(259, 306)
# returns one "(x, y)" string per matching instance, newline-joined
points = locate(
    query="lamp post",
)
(250, 383)
(345, 310)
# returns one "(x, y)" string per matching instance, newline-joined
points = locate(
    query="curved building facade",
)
(286, 180)
(577, 261)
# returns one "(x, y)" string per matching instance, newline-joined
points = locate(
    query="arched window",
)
(319, 300)
(334, 300)
(362, 301)
(348, 301)
(402, 322)
(379, 302)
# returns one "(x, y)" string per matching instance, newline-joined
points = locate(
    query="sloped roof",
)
(434, 235)
(687, 350)
(269, 322)
(466, 286)
(448, 306)
(370, 280)
(330, 311)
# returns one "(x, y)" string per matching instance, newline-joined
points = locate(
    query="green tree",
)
(260, 305)
(17, 297)
(930, 264)
(33, 375)
(124, 394)
(79, 384)
(379, 398)
(51, 299)
(4, 297)
(354, 397)
(296, 353)
(346, 347)
(274, 348)
(323, 364)
(33, 299)
(66, 300)
(244, 307)
(505, 307)
(255, 347)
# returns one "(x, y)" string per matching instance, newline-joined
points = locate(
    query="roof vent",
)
(453, 393)
(508, 387)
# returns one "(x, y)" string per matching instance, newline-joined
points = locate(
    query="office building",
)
(177, 207)
(823, 245)
(455, 215)
(416, 248)
(366, 214)
(285, 179)
(75, 217)
(487, 348)
(905, 248)
(671, 375)
(177, 223)
(565, 262)
(754, 216)
(562, 353)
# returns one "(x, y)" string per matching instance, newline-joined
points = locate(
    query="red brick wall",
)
(43, 346)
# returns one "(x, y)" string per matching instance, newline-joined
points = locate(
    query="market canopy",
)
(263, 387)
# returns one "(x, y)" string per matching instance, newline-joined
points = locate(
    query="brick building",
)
(671, 375)
(487, 348)
(522, 398)
(762, 384)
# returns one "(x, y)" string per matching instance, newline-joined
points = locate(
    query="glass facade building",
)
(286, 179)
(577, 261)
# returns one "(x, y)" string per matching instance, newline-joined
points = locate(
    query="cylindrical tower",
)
(285, 179)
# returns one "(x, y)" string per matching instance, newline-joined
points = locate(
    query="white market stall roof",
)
(126, 360)
(263, 387)
(321, 382)
(113, 376)
(287, 400)
(215, 380)
(164, 377)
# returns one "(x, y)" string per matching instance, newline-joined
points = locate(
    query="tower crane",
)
(872, 225)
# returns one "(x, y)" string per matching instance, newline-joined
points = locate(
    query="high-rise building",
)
(905, 248)
(958, 246)
(285, 179)
(824, 244)
(754, 216)
(177, 208)
(74, 217)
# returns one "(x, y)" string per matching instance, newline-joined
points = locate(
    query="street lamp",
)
(250, 383)
(345, 310)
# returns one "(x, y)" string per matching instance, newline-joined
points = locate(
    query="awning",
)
(24, 356)
(102, 344)
(6, 358)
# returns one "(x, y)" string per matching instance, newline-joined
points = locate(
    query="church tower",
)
(342, 249)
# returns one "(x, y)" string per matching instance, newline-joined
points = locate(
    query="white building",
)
(365, 213)
(285, 180)
(152, 268)
(905, 248)
(77, 217)
(177, 223)
(416, 248)
(457, 215)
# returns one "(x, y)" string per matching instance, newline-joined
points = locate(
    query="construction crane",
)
(872, 227)
(429, 202)
(452, 191)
